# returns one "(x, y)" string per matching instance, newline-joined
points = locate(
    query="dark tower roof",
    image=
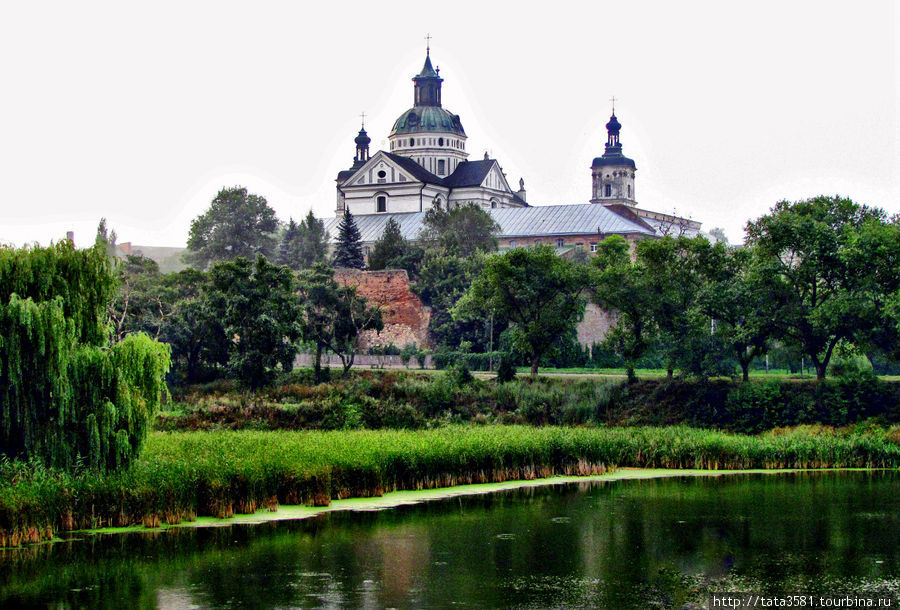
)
(427, 90)
(363, 139)
(613, 154)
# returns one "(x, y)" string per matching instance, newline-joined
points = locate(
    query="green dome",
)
(428, 119)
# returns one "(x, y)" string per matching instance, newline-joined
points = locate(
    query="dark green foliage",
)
(506, 370)
(348, 252)
(333, 316)
(259, 309)
(460, 231)
(535, 291)
(303, 245)
(66, 398)
(237, 223)
(624, 287)
(473, 361)
(836, 263)
(392, 251)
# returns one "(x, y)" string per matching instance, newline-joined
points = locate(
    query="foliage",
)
(66, 398)
(392, 251)
(534, 290)
(833, 259)
(303, 245)
(237, 224)
(258, 307)
(742, 299)
(624, 287)
(333, 316)
(348, 250)
(461, 231)
(106, 238)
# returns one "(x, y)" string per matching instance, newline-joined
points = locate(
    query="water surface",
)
(615, 544)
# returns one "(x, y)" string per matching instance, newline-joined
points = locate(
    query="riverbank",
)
(185, 475)
(415, 400)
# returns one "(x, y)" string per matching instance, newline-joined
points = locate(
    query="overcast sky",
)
(141, 113)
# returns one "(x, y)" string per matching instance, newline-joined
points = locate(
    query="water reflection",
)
(617, 545)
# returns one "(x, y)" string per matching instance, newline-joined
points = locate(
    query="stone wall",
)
(405, 317)
(596, 323)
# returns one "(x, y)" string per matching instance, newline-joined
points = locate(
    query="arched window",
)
(608, 190)
(494, 203)
(440, 141)
(629, 191)
(381, 203)
(440, 168)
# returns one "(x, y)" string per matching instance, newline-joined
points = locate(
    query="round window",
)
(381, 174)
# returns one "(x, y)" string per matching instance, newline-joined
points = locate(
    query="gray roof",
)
(535, 221)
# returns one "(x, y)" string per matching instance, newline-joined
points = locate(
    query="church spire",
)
(427, 90)
(362, 144)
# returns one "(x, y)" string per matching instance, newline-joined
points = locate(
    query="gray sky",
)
(141, 113)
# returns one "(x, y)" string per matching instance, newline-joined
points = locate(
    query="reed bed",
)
(185, 474)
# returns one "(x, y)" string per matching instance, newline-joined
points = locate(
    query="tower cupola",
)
(612, 174)
(427, 90)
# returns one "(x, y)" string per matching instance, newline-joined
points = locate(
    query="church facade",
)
(428, 165)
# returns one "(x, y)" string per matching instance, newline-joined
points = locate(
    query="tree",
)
(66, 395)
(460, 231)
(826, 253)
(259, 309)
(348, 251)
(237, 223)
(673, 277)
(623, 286)
(536, 291)
(333, 316)
(305, 244)
(139, 304)
(742, 300)
(106, 238)
(392, 251)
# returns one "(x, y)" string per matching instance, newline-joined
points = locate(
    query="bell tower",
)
(612, 174)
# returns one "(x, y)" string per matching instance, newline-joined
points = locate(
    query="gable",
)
(380, 169)
(496, 180)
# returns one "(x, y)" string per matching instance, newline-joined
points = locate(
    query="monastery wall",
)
(405, 316)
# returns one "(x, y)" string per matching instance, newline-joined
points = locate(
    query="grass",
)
(183, 475)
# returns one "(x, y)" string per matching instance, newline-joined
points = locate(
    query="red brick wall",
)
(405, 317)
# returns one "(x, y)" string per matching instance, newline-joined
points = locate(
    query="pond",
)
(611, 544)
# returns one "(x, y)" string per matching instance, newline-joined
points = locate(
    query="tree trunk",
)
(669, 372)
(629, 371)
(317, 365)
(534, 365)
(745, 368)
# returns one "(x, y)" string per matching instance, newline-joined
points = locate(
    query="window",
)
(560, 242)
(494, 203)
(629, 191)
(513, 243)
(366, 250)
(381, 203)
(440, 141)
(593, 246)
(412, 142)
(440, 171)
(381, 176)
(609, 190)
(537, 242)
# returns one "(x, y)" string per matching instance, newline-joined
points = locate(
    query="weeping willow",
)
(68, 398)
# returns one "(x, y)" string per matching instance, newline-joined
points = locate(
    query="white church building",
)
(428, 165)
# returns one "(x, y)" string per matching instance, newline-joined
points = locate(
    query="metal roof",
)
(535, 221)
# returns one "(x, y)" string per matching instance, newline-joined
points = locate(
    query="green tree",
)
(825, 251)
(536, 291)
(258, 306)
(303, 244)
(624, 287)
(742, 300)
(106, 238)
(334, 316)
(237, 223)
(348, 252)
(392, 251)
(66, 395)
(460, 231)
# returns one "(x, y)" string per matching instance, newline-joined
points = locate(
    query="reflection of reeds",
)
(182, 475)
